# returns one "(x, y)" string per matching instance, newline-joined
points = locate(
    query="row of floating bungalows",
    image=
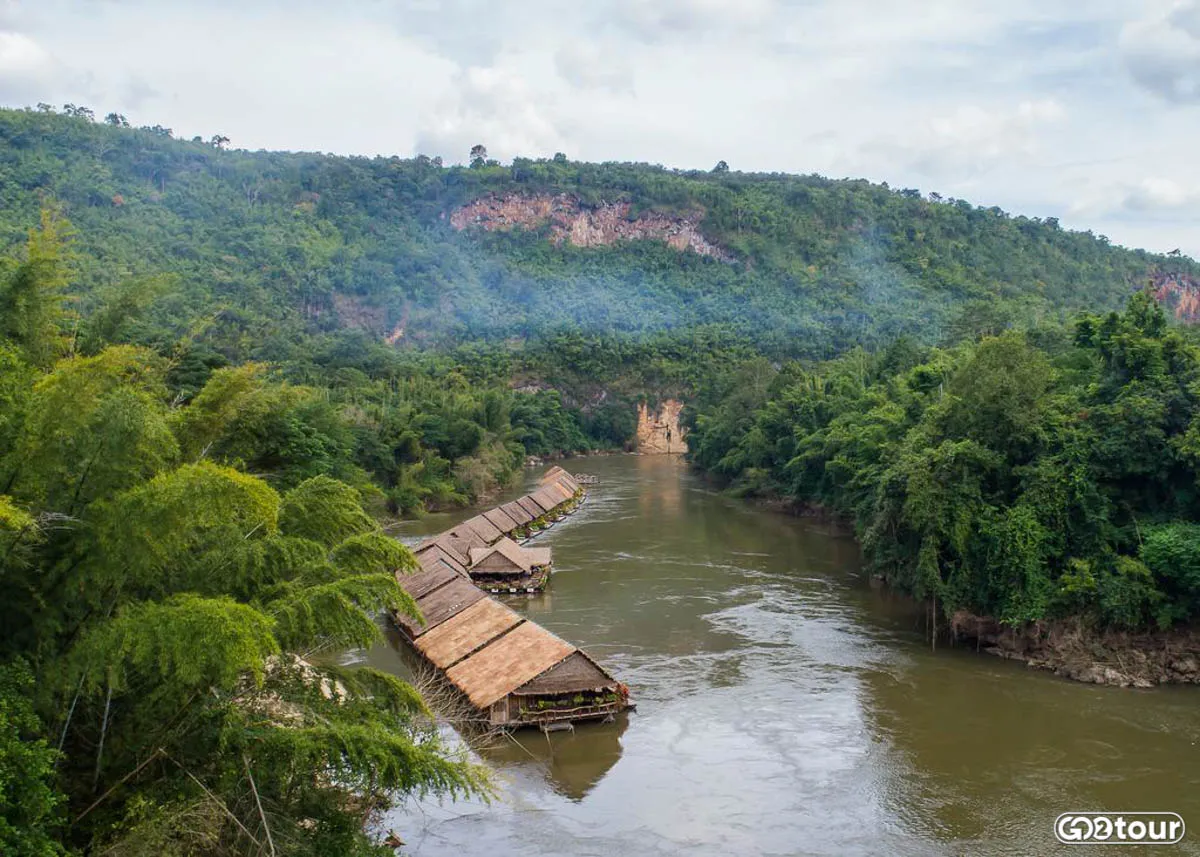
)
(512, 671)
(486, 549)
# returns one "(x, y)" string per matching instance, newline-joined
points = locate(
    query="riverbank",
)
(1070, 649)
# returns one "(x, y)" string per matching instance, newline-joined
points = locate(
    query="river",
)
(786, 706)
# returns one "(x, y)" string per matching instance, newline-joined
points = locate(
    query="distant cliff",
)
(583, 226)
(1179, 293)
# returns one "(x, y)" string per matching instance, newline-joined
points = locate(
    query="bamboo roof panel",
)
(460, 635)
(498, 669)
(483, 528)
(447, 600)
(501, 520)
(517, 512)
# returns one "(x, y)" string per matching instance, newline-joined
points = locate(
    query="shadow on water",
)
(573, 763)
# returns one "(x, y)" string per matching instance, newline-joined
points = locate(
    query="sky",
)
(1085, 111)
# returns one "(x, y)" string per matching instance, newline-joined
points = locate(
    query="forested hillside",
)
(408, 327)
(253, 254)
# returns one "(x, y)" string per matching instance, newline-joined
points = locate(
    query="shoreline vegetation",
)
(1070, 648)
(1047, 479)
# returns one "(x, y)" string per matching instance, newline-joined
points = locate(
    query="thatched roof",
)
(552, 474)
(515, 511)
(425, 581)
(557, 474)
(578, 672)
(454, 544)
(534, 510)
(523, 560)
(441, 603)
(433, 555)
(482, 527)
(466, 534)
(460, 635)
(546, 499)
(500, 520)
(498, 669)
(564, 494)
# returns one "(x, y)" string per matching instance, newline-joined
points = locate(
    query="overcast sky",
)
(1088, 110)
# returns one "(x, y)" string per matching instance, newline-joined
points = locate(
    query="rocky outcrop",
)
(1179, 293)
(585, 226)
(659, 431)
(1071, 650)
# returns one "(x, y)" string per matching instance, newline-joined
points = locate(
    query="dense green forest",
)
(161, 602)
(1027, 476)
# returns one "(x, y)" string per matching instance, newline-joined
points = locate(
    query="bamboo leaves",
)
(186, 642)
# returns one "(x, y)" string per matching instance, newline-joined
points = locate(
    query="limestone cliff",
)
(585, 226)
(659, 431)
(1179, 294)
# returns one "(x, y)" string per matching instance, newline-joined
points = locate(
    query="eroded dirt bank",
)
(1070, 649)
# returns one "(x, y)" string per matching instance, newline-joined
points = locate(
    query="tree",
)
(31, 301)
(29, 803)
(219, 141)
(479, 155)
(95, 425)
(721, 167)
(79, 112)
(185, 682)
(117, 120)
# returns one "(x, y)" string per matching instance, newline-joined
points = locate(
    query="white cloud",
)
(967, 141)
(585, 65)
(1162, 52)
(1156, 196)
(493, 106)
(20, 54)
(26, 68)
(653, 20)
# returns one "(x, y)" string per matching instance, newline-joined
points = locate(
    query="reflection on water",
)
(572, 762)
(786, 707)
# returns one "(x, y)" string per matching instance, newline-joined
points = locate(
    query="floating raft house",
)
(512, 670)
(508, 567)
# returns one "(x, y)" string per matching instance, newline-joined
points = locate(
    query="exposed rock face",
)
(582, 226)
(659, 431)
(1179, 293)
(356, 313)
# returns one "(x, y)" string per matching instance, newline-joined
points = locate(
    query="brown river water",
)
(787, 707)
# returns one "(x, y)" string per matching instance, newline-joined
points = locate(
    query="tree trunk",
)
(933, 624)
